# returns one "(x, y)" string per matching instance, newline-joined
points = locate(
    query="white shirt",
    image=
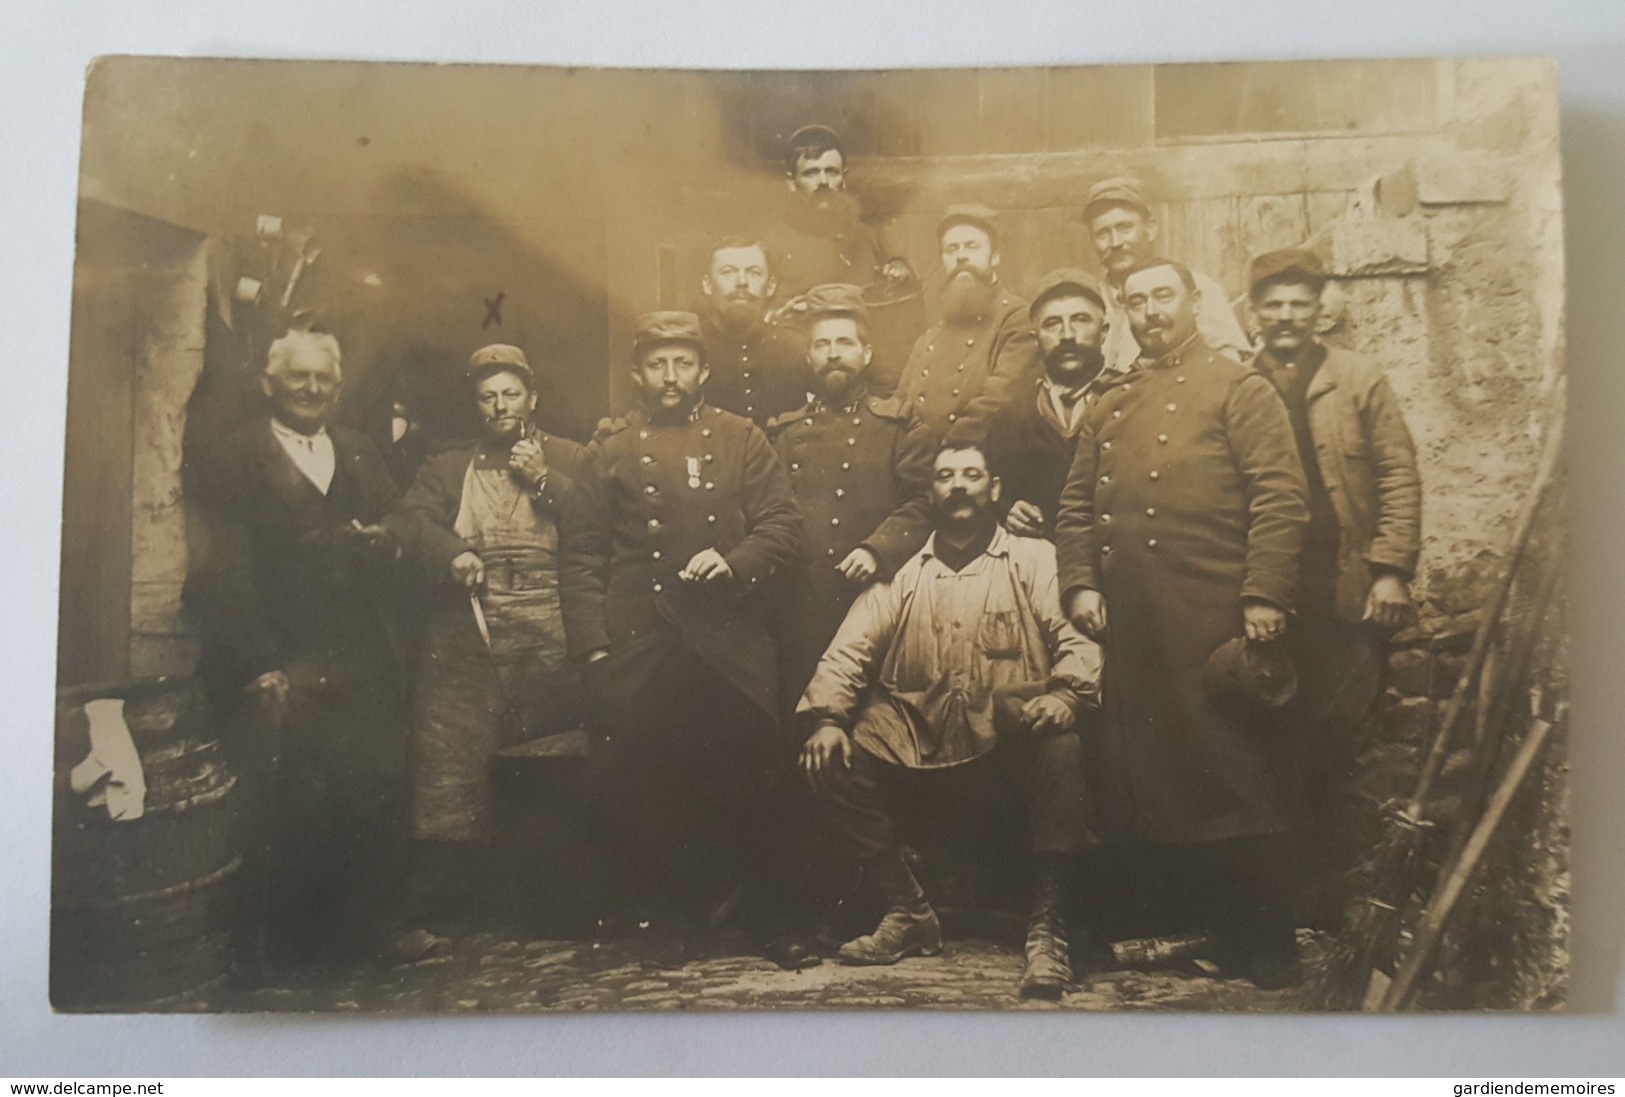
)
(1067, 416)
(313, 453)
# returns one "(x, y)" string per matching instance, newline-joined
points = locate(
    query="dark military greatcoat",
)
(1186, 496)
(658, 494)
(952, 361)
(861, 476)
(760, 375)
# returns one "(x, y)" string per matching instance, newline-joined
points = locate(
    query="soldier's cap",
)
(1121, 191)
(654, 328)
(836, 299)
(1297, 265)
(498, 358)
(1069, 282)
(969, 213)
(813, 134)
(1244, 678)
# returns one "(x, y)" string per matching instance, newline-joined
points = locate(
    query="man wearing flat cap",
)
(1179, 531)
(666, 606)
(860, 469)
(822, 239)
(982, 329)
(1032, 431)
(1124, 228)
(757, 369)
(482, 522)
(1365, 512)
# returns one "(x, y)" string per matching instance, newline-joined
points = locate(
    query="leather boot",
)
(909, 927)
(1049, 970)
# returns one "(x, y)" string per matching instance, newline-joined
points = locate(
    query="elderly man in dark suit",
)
(1179, 532)
(665, 602)
(297, 655)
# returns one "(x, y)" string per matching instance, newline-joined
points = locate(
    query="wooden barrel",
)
(142, 910)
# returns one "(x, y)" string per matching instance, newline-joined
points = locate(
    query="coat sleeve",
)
(906, 528)
(222, 595)
(1075, 659)
(1398, 539)
(584, 551)
(1015, 349)
(847, 665)
(1075, 555)
(426, 513)
(772, 519)
(1266, 455)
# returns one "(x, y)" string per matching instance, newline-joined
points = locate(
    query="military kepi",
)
(498, 358)
(655, 328)
(836, 299)
(1294, 265)
(1066, 282)
(1244, 678)
(1122, 191)
(970, 214)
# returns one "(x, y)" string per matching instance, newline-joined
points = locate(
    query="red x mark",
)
(493, 310)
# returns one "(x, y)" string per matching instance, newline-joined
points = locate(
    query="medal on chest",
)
(694, 473)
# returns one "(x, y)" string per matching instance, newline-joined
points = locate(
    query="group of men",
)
(1088, 556)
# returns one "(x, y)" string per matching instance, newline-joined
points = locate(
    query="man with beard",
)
(757, 370)
(982, 331)
(822, 240)
(665, 603)
(482, 522)
(1124, 229)
(1183, 517)
(860, 469)
(959, 680)
(297, 658)
(1032, 432)
(1364, 533)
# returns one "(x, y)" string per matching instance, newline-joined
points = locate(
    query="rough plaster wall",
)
(168, 360)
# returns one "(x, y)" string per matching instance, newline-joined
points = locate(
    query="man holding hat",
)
(982, 331)
(1032, 431)
(1124, 229)
(1179, 532)
(482, 521)
(666, 606)
(1365, 512)
(860, 469)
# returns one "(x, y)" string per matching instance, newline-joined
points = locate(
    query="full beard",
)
(822, 213)
(967, 295)
(737, 315)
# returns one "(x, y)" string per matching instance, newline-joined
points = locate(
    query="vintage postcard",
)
(552, 539)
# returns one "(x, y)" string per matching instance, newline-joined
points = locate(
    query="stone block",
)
(1463, 179)
(1363, 249)
(1410, 672)
(1409, 720)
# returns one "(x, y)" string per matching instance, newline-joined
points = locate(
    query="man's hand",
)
(468, 570)
(1047, 712)
(1087, 612)
(706, 566)
(1389, 603)
(819, 752)
(1025, 519)
(271, 690)
(528, 462)
(374, 540)
(1262, 621)
(860, 566)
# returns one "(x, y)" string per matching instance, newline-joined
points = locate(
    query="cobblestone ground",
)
(501, 972)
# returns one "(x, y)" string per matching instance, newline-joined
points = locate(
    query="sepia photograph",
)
(577, 539)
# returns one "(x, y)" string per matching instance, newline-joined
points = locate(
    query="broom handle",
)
(1523, 531)
(1444, 900)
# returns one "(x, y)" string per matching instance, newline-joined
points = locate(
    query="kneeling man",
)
(959, 669)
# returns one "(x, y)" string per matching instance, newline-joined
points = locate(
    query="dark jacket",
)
(1027, 449)
(803, 253)
(1186, 496)
(657, 494)
(272, 576)
(952, 362)
(760, 376)
(861, 477)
